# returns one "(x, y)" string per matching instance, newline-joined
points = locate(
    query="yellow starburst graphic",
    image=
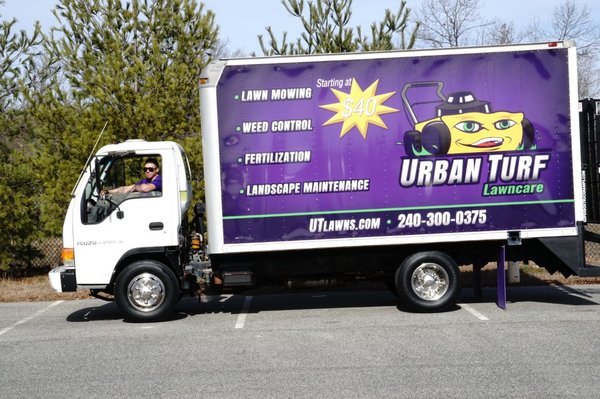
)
(359, 108)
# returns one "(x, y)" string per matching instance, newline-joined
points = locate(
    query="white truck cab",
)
(105, 236)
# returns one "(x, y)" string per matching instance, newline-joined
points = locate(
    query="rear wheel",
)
(428, 281)
(146, 291)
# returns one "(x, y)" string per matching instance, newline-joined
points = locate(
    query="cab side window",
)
(114, 180)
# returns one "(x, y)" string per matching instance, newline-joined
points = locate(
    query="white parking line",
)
(29, 318)
(225, 298)
(209, 298)
(242, 316)
(475, 313)
(85, 316)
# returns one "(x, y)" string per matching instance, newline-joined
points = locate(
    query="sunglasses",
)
(149, 169)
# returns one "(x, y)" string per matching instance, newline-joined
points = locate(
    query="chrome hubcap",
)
(146, 292)
(430, 281)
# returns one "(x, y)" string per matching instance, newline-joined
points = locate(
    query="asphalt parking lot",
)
(308, 345)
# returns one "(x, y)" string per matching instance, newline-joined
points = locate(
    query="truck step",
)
(589, 271)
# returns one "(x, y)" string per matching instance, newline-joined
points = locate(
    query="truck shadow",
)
(536, 285)
(234, 304)
(256, 302)
(110, 311)
(552, 294)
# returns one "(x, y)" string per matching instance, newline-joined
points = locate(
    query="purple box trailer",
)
(399, 165)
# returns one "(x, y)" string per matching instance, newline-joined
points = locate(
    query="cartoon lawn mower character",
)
(463, 125)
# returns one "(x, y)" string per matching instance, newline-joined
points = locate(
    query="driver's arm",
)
(144, 187)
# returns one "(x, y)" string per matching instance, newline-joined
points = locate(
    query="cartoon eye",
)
(468, 126)
(504, 124)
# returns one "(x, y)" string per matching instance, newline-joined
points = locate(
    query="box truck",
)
(396, 166)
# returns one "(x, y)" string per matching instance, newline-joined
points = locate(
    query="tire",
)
(146, 291)
(428, 281)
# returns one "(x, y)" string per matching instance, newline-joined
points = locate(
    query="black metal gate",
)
(589, 123)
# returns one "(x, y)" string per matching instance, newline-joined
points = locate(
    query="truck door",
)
(111, 226)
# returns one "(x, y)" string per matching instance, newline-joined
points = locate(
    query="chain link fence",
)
(49, 251)
(40, 257)
(592, 249)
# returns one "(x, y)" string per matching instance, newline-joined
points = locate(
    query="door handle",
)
(156, 226)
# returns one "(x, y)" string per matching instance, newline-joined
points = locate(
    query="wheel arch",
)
(164, 255)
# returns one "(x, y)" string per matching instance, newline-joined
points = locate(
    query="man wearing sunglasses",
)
(152, 181)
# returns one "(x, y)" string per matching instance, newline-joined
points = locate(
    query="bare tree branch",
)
(450, 22)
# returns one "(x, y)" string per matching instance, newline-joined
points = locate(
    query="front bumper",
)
(62, 279)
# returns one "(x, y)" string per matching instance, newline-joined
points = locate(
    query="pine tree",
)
(326, 30)
(133, 67)
(19, 214)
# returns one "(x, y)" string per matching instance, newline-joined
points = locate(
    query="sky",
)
(241, 21)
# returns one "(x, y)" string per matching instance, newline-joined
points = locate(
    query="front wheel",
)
(146, 291)
(428, 281)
